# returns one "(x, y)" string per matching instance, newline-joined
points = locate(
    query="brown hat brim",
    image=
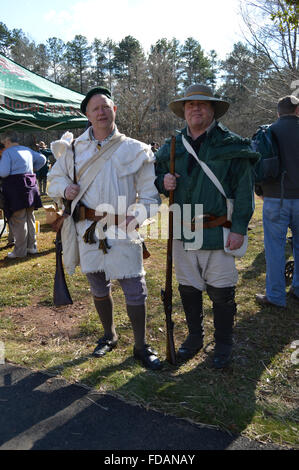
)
(220, 106)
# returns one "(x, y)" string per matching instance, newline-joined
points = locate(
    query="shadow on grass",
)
(28, 257)
(69, 417)
(227, 398)
(257, 267)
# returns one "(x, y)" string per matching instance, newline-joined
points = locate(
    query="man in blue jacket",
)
(17, 166)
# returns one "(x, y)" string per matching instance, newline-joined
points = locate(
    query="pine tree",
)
(55, 49)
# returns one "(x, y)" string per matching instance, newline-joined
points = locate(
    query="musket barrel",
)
(167, 297)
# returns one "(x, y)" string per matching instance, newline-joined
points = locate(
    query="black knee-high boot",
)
(224, 310)
(192, 304)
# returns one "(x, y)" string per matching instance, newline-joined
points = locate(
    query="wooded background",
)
(253, 76)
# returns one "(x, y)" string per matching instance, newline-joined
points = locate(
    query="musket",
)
(61, 295)
(167, 293)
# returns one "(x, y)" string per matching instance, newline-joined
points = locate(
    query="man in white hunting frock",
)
(99, 236)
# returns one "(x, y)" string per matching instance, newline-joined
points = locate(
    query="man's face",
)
(101, 112)
(199, 114)
(7, 142)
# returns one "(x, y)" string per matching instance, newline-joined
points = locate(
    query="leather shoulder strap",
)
(205, 167)
(96, 165)
(74, 162)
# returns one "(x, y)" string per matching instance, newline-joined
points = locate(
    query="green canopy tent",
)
(31, 102)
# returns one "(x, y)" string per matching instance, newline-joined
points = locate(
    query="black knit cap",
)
(100, 90)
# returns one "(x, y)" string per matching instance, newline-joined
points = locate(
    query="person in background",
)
(20, 190)
(10, 238)
(42, 174)
(154, 146)
(281, 206)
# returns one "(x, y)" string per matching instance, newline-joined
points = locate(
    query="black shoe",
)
(190, 347)
(264, 301)
(10, 245)
(184, 354)
(148, 357)
(104, 345)
(222, 356)
(292, 294)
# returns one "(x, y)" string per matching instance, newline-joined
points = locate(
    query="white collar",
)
(104, 141)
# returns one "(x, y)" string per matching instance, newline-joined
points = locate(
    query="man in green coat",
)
(208, 267)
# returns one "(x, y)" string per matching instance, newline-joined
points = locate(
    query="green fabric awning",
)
(29, 101)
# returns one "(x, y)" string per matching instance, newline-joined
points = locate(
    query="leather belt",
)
(211, 221)
(90, 214)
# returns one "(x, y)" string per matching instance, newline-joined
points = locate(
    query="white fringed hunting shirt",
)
(119, 174)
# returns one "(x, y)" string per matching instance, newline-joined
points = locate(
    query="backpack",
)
(268, 168)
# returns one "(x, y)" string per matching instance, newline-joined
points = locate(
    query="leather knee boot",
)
(224, 310)
(192, 304)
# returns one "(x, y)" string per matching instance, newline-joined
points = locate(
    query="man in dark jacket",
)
(281, 206)
(208, 267)
(42, 173)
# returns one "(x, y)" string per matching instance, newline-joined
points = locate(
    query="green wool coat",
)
(231, 159)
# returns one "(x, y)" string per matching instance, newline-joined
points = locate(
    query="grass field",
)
(256, 397)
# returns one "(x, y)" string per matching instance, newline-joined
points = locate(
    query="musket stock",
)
(61, 295)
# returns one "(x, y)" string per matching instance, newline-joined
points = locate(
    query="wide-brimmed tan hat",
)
(201, 93)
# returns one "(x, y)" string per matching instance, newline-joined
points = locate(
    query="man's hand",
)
(170, 181)
(234, 241)
(71, 191)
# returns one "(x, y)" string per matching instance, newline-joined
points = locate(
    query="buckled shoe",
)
(148, 357)
(292, 294)
(104, 346)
